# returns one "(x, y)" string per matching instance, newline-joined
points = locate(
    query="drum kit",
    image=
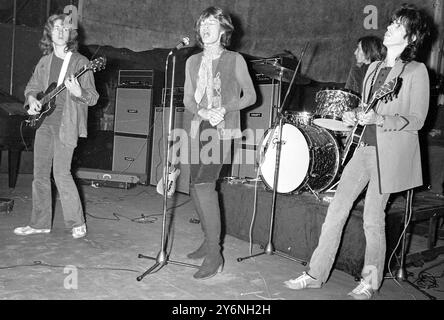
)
(311, 143)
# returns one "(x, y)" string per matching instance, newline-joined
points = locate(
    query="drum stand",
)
(269, 248)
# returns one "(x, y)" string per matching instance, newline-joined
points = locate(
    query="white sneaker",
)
(79, 232)
(305, 281)
(24, 231)
(363, 291)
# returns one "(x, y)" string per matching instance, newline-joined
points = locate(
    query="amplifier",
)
(139, 79)
(177, 96)
(98, 178)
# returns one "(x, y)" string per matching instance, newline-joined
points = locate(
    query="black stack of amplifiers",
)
(180, 144)
(138, 93)
(255, 121)
(141, 124)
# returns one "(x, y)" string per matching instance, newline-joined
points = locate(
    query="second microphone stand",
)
(269, 248)
(162, 258)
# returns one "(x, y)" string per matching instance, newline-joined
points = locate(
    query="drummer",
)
(368, 50)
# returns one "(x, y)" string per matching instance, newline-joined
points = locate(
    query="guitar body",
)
(388, 91)
(47, 98)
(352, 143)
(35, 121)
(171, 186)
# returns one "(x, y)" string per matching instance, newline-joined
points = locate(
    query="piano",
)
(15, 136)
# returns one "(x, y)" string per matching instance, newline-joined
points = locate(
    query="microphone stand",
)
(269, 249)
(402, 274)
(162, 258)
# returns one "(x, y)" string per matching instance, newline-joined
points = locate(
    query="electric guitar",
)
(171, 185)
(388, 91)
(47, 98)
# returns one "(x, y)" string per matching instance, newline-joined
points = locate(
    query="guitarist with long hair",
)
(387, 158)
(56, 137)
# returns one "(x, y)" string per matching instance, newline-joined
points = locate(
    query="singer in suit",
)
(388, 159)
(217, 86)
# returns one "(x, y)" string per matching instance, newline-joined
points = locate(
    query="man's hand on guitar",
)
(34, 106)
(349, 118)
(73, 86)
(371, 117)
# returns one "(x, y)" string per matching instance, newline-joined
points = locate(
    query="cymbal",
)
(275, 71)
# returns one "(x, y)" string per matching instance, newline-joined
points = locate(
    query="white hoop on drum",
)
(309, 158)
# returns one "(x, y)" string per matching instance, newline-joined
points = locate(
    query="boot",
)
(203, 249)
(209, 203)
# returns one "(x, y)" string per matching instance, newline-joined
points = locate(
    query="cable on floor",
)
(151, 218)
(39, 263)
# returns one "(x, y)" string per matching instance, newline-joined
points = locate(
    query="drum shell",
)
(300, 118)
(331, 105)
(316, 173)
(324, 150)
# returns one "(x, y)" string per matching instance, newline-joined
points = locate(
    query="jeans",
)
(362, 170)
(50, 152)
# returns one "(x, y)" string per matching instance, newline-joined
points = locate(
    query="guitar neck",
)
(61, 87)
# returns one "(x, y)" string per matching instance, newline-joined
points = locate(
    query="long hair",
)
(224, 20)
(373, 48)
(45, 43)
(417, 29)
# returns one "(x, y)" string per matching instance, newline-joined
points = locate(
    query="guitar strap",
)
(372, 84)
(64, 68)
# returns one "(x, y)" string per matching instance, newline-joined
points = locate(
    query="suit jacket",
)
(398, 152)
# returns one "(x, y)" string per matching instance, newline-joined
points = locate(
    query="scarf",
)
(205, 82)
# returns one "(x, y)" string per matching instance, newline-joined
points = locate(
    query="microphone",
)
(184, 42)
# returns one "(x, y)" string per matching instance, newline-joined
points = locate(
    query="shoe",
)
(24, 231)
(363, 291)
(79, 232)
(305, 281)
(210, 267)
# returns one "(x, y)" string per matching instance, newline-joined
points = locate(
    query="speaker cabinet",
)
(133, 110)
(133, 131)
(244, 163)
(255, 120)
(131, 154)
(180, 146)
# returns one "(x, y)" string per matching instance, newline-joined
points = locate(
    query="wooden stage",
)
(299, 218)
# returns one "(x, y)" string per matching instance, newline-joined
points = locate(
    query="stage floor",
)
(105, 263)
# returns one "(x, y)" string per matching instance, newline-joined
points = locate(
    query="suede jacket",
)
(234, 79)
(398, 151)
(75, 111)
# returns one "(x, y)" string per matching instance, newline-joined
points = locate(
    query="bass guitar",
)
(388, 91)
(47, 98)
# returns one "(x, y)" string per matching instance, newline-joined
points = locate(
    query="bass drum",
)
(309, 158)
